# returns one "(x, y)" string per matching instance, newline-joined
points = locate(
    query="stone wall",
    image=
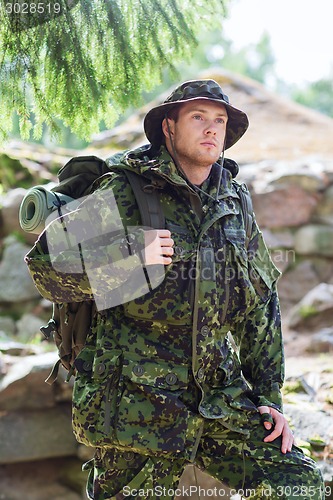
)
(293, 203)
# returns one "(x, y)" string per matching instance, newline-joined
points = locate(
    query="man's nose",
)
(211, 128)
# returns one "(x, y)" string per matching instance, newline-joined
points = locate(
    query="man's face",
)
(199, 132)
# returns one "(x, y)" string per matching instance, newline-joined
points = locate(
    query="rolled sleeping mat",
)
(37, 205)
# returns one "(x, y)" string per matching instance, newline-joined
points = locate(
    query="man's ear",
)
(168, 127)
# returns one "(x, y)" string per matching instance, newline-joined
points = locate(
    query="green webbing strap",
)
(147, 198)
(54, 373)
(144, 478)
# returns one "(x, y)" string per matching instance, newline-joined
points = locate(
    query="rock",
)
(308, 421)
(315, 310)
(280, 244)
(72, 476)
(7, 326)
(297, 281)
(36, 435)
(287, 206)
(13, 348)
(283, 258)
(10, 209)
(321, 341)
(299, 175)
(312, 374)
(38, 480)
(324, 210)
(278, 239)
(324, 268)
(314, 239)
(327, 472)
(248, 173)
(24, 387)
(28, 327)
(42, 162)
(119, 138)
(16, 283)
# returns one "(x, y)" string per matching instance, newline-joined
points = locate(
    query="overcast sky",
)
(301, 33)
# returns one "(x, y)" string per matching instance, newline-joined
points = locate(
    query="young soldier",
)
(190, 370)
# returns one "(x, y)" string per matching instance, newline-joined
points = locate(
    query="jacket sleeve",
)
(260, 336)
(90, 253)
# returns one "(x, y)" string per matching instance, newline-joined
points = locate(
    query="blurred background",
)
(78, 80)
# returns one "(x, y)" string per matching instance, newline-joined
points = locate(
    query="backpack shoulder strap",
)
(247, 210)
(148, 200)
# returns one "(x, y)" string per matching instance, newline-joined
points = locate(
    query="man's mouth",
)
(209, 144)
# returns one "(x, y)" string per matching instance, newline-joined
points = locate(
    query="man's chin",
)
(210, 158)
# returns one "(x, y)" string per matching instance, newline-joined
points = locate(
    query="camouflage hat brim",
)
(190, 91)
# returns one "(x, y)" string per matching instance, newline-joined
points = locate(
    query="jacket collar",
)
(147, 162)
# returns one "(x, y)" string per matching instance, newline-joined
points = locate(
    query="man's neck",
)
(196, 175)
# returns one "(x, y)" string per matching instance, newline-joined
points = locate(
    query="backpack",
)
(71, 322)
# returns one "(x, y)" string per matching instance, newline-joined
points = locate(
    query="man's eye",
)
(197, 117)
(220, 120)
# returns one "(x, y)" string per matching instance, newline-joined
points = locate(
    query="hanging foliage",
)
(84, 61)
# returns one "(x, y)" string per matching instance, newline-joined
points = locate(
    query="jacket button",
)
(201, 373)
(171, 378)
(179, 250)
(204, 330)
(87, 366)
(128, 455)
(100, 368)
(138, 370)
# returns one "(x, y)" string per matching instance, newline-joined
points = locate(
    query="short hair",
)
(173, 113)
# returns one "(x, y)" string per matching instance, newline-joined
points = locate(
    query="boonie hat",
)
(190, 91)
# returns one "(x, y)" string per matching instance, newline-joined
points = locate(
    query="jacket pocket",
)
(254, 268)
(94, 400)
(151, 415)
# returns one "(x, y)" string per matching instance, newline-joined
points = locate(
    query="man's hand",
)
(158, 247)
(281, 427)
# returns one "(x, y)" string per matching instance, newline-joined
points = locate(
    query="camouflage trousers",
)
(248, 466)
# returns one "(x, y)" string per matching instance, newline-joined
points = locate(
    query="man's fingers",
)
(269, 417)
(275, 433)
(266, 417)
(158, 247)
(163, 233)
(162, 236)
(287, 437)
(287, 440)
(167, 250)
(267, 420)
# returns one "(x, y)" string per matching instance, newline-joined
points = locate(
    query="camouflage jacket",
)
(203, 342)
